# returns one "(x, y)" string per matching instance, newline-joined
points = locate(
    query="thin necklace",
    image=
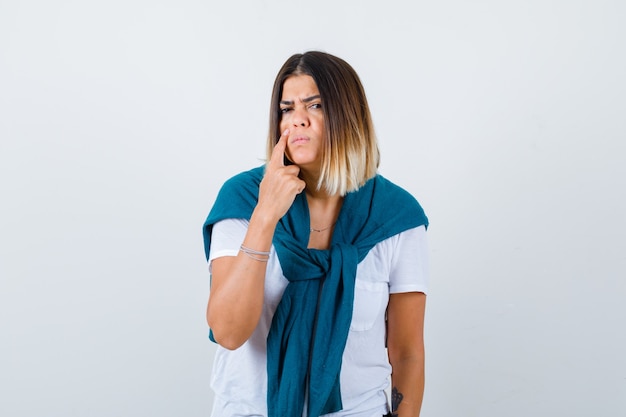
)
(321, 230)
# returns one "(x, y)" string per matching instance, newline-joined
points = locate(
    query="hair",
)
(350, 154)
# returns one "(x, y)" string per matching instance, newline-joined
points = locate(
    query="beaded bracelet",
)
(260, 256)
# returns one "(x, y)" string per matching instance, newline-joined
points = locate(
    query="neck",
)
(320, 197)
(323, 207)
(323, 212)
(311, 178)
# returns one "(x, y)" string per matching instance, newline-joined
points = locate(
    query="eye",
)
(284, 110)
(316, 106)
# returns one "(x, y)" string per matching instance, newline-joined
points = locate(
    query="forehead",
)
(299, 87)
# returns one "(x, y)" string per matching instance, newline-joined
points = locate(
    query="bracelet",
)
(246, 249)
(260, 256)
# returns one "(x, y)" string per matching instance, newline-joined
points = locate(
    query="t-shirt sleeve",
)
(409, 264)
(226, 238)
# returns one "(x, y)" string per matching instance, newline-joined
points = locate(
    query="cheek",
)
(282, 122)
(288, 154)
(320, 123)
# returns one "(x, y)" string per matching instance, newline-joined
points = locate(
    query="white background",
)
(119, 120)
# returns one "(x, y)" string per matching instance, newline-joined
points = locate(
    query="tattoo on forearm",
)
(396, 399)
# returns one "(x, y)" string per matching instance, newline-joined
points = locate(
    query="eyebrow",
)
(304, 100)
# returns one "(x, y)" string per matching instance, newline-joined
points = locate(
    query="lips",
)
(299, 139)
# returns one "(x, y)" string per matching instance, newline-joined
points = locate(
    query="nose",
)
(299, 118)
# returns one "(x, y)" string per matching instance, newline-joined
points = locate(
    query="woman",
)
(318, 264)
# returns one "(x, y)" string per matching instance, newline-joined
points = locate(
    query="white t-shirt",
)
(398, 264)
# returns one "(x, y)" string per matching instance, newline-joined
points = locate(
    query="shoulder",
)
(391, 195)
(251, 177)
(237, 197)
(392, 190)
(243, 186)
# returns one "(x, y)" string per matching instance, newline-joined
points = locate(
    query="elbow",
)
(398, 357)
(225, 335)
(230, 329)
(227, 341)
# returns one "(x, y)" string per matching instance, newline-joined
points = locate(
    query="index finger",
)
(278, 153)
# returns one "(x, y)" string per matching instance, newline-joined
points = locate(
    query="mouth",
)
(299, 139)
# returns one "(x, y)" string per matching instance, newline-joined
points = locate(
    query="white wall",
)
(119, 120)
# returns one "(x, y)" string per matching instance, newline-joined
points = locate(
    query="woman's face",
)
(301, 113)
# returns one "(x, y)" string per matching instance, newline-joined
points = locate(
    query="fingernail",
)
(286, 131)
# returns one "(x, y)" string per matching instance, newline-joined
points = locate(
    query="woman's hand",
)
(280, 185)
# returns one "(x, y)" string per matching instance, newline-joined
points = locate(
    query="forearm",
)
(405, 343)
(407, 381)
(237, 288)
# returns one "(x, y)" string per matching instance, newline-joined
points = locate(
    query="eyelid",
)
(313, 104)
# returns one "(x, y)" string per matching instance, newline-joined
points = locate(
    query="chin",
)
(303, 160)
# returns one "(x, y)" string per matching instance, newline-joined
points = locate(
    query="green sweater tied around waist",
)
(310, 327)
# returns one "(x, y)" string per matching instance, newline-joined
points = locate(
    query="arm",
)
(405, 343)
(237, 289)
(237, 282)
